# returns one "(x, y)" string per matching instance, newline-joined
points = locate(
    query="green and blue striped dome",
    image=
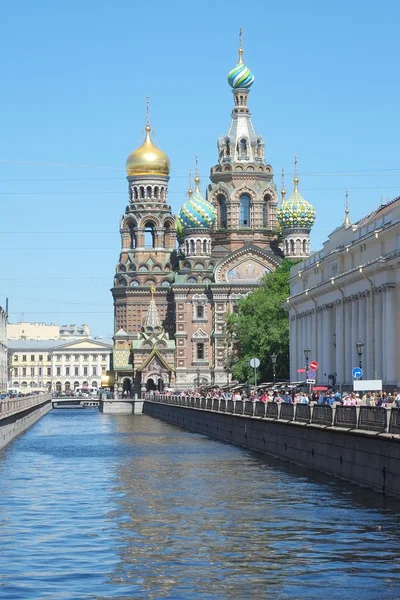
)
(296, 212)
(197, 212)
(240, 76)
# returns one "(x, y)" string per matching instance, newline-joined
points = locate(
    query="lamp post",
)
(307, 353)
(273, 358)
(360, 347)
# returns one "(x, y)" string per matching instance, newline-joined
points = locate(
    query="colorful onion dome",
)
(240, 76)
(296, 212)
(197, 212)
(148, 159)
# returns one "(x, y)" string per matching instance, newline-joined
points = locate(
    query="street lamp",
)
(307, 353)
(360, 347)
(273, 358)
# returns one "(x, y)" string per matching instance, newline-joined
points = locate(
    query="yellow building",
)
(41, 331)
(57, 365)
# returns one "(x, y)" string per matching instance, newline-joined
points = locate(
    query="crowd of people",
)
(327, 397)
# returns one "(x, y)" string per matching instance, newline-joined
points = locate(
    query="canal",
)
(98, 506)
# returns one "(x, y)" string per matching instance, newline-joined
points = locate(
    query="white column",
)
(378, 335)
(90, 366)
(367, 359)
(354, 333)
(108, 362)
(63, 365)
(53, 365)
(347, 342)
(81, 365)
(339, 350)
(99, 365)
(390, 343)
(320, 355)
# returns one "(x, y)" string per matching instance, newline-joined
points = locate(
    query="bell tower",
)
(148, 240)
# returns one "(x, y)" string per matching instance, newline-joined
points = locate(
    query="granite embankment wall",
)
(367, 458)
(16, 415)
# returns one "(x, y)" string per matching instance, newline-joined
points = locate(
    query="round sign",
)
(357, 372)
(255, 362)
(311, 374)
(314, 365)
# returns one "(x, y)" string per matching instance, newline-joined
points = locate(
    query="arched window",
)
(76, 384)
(204, 246)
(200, 351)
(148, 191)
(267, 199)
(223, 218)
(198, 247)
(243, 149)
(136, 193)
(200, 311)
(187, 247)
(149, 235)
(141, 191)
(286, 247)
(244, 210)
(304, 247)
(58, 386)
(227, 148)
(94, 384)
(292, 247)
(192, 248)
(156, 192)
(67, 386)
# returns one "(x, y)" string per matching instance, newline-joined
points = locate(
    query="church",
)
(178, 276)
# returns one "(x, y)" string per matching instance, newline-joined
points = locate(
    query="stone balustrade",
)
(13, 406)
(366, 418)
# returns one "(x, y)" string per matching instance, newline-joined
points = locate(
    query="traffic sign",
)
(312, 381)
(301, 370)
(255, 362)
(311, 374)
(314, 365)
(357, 372)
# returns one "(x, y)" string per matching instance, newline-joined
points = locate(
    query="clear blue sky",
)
(73, 83)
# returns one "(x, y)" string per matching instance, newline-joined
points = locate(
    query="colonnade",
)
(332, 330)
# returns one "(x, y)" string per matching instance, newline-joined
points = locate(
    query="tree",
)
(261, 328)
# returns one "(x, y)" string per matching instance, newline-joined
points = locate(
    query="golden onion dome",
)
(148, 159)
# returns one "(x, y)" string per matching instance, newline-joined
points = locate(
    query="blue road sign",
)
(357, 372)
(311, 374)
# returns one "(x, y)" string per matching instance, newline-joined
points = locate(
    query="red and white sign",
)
(314, 365)
(301, 370)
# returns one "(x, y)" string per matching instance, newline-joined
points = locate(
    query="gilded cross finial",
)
(152, 291)
(190, 190)
(197, 178)
(240, 46)
(296, 177)
(283, 191)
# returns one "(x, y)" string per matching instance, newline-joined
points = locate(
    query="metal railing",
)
(369, 418)
(13, 406)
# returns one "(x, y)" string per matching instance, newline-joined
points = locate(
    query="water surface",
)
(100, 506)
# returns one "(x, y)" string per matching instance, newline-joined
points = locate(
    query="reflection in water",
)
(97, 506)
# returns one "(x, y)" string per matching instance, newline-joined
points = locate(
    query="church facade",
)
(178, 276)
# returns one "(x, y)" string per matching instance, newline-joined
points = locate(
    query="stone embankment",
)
(17, 414)
(360, 444)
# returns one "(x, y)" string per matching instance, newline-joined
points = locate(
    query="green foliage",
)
(261, 328)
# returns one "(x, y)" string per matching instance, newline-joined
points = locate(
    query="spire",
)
(152, 318)
(197, 178)
(240, 61)
(296, 177)
(346, 222)
(283, 191)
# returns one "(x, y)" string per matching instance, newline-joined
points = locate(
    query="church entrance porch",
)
(155, 383)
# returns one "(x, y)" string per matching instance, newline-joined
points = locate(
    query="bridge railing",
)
(13, 406)
(369, 418)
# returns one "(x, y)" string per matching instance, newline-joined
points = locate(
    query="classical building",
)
(56, 364)
(41, 331)
(344, 302)
(3, 350)
(170, 303)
